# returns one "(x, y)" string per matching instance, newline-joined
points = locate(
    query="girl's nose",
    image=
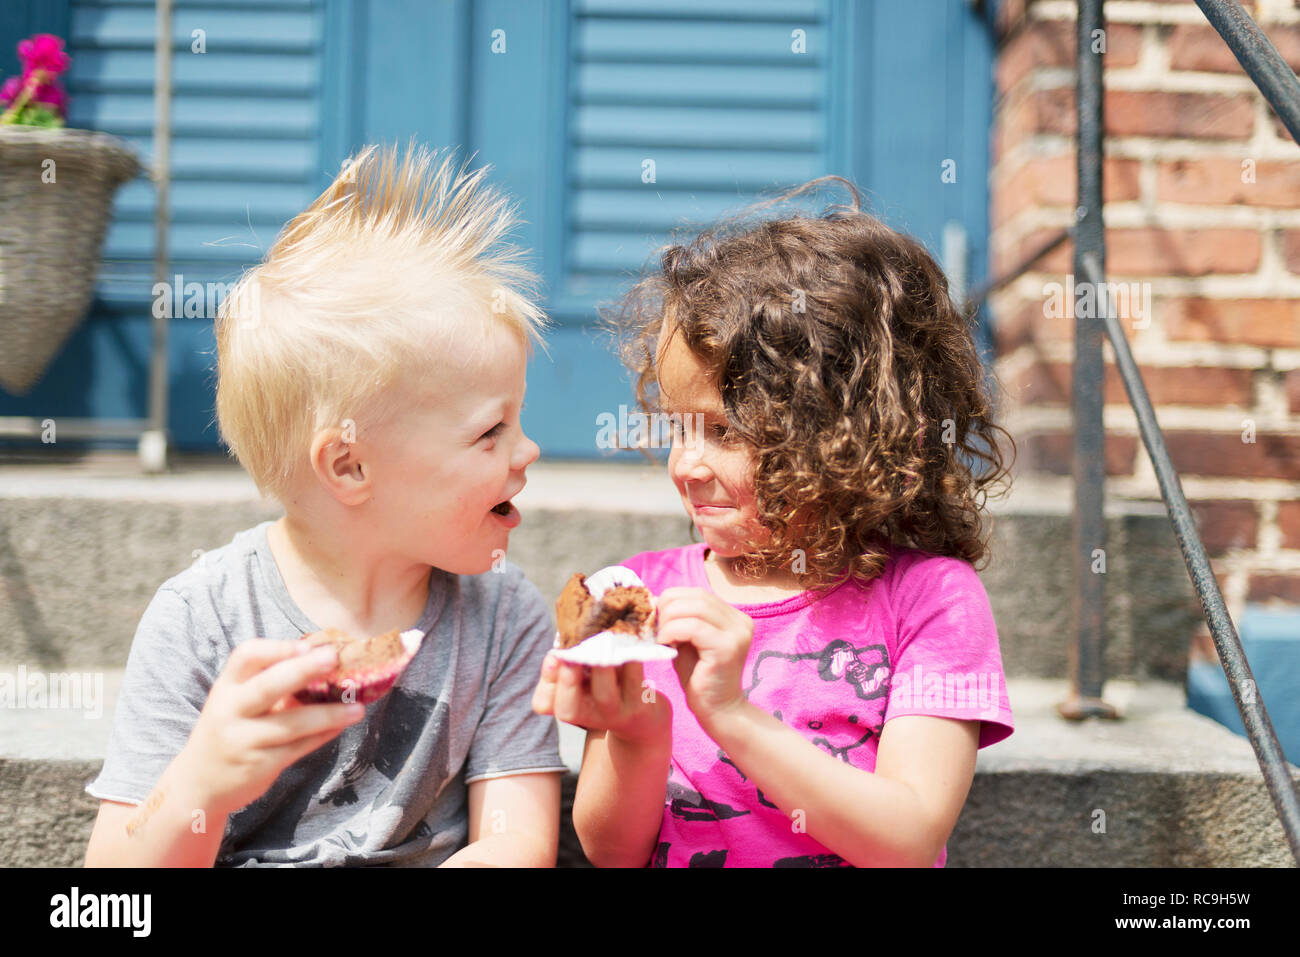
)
(690, 464)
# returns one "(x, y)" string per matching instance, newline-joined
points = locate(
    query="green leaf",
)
(39, 116)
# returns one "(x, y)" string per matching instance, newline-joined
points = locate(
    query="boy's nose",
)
(526, 453)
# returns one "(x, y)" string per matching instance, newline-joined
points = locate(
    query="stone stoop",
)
(83, 548)
(84, 544)
(1164, 787)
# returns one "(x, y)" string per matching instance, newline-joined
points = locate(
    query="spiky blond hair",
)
(395, 267)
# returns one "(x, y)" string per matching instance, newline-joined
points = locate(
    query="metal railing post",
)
(1087, 666)
(154, 441)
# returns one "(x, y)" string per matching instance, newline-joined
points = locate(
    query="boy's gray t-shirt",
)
(391, 789)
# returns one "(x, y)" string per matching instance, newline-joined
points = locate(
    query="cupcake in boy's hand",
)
(367, 667)
(607, 619)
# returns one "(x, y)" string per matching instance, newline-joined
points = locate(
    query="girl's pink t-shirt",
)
(920, 639)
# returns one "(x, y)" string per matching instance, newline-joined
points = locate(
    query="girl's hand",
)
(609, 699)
(712, 640)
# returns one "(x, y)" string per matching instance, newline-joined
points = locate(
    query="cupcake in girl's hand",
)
(607, 619)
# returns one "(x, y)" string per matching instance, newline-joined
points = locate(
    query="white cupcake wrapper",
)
(411, 641)
(610, 577)
(609, 648)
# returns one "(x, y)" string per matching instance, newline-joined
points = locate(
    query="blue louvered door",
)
(610, 121)
(675, 112)
(667, 113)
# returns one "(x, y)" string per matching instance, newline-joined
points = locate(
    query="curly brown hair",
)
(847, 371)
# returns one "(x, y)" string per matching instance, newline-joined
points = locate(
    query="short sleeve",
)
(169, 671)
(510, 737)
(947, 660)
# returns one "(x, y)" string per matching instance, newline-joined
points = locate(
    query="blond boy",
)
(370, 377)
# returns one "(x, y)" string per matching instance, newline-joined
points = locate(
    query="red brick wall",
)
(1202, 188)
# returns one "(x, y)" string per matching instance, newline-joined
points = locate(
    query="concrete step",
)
(1163, 787)
(85, 542)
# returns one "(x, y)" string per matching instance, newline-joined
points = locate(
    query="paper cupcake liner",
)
(609, 648)
(610, 577)
(370, 686)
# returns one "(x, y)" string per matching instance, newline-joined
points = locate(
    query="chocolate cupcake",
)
(623, 609)
(608, 618)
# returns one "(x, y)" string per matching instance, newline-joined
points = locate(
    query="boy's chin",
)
(475, 565)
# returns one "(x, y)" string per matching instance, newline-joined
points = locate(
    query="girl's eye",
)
(717, 430)
(719, 433)
(494, 431)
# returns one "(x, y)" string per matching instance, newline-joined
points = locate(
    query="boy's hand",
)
(610, 699)
(712, 640)
(252, 728)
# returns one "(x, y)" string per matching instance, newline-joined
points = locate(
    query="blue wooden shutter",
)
(713, 93)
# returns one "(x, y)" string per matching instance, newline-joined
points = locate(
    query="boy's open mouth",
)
(506, 512)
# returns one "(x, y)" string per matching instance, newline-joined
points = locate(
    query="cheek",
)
(737, 474)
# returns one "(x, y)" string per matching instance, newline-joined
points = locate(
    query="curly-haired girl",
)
(838, 664)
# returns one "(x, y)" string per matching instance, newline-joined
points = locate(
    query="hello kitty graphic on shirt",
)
(834, 669)
(835, 696)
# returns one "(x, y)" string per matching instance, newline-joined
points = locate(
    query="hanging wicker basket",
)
(53, 216)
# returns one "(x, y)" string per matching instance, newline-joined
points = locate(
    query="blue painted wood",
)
(781, 10)
(584, 93)
(715, 95)
(519, 76)
(245, 154)
(567, 391)
(340, 86)
(20, 20)
(512, 115)
(103, 372)
(413, 74)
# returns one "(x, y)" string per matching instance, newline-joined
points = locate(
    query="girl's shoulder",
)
(915, 575)
(906, 560)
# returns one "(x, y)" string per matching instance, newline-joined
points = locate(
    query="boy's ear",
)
(338, 466)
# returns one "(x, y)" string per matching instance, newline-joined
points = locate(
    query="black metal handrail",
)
(1250, 703)
(1280, 87)
(1282, 90)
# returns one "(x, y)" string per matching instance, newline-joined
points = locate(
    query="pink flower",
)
(43, 52)
(10, 89)
(52, 95)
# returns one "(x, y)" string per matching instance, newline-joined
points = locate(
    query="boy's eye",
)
(495, 430)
